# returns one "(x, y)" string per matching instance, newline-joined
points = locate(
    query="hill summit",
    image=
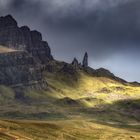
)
(22, 38)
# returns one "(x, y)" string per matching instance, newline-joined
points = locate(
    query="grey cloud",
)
(104, 28)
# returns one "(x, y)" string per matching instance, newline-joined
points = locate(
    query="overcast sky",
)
(109, 30)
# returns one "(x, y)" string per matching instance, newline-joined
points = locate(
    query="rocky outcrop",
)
(75, 63)
(23, 38)
(21, 64)
(18, 68)
(85, 60)
(68, 69)
(106, 73)
(69, 74)
(103, 73)
(7, 22)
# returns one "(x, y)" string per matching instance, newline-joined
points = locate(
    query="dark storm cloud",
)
(107, 29)
(111, 27)
(22, 8)
(102, 19)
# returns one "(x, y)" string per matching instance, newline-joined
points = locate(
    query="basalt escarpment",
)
(23, 55)
(19, 69)
(22, 38)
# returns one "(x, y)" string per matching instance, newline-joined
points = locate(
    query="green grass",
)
(74, 107)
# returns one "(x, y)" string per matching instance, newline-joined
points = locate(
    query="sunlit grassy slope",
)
(74, 107)
(70, 95)
(87, 86)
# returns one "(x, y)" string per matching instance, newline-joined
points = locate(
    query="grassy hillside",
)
(70, 94)
(65, 130)
(75, 106)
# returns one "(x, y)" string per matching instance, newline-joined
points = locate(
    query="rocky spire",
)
(85, 60)
(75, 63)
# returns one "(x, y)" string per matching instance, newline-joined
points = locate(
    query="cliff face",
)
(23, 55)
(19, 68)
(23, 38)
